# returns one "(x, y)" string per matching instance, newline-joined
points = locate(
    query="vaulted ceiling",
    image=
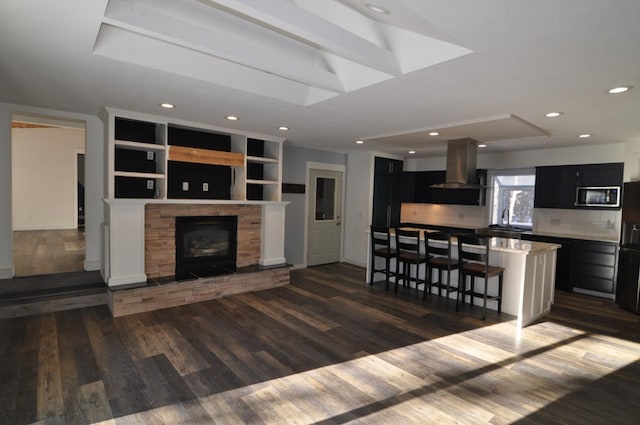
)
(337, 71)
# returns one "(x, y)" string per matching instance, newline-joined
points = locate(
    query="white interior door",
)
(324, 221)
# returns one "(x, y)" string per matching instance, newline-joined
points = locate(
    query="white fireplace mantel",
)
(124, 228)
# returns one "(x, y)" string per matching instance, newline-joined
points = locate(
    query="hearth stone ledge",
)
(156, 294)
(166, 280)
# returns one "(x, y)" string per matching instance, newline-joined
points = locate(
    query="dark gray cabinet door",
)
(387, 192)
(593, 266)
(627, 294)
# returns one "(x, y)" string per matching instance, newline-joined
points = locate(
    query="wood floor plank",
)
(326, 349)
(49, 379)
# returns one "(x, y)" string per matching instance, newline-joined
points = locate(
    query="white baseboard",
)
(114, 282)
(6, 273)
(92, 265)
(298, 266)
(45, 227)
(356, 263)
(272, 261)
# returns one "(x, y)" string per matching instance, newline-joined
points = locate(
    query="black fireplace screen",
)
(205, 246)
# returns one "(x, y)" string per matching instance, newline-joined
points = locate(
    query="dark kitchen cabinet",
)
(556, 185)
(563, 258)
(423, 192)
(627, 288)
(426, 194)
(387, 192)
(594, 265)
(600, 175)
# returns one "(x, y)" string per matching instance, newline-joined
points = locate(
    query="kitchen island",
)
(529, 276)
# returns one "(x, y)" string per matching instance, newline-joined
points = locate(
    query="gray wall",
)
(294, 170)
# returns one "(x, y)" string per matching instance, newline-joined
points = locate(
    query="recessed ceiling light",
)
(283, 128)
(482, 145)
(359, 142)
(584, 136)
(378, 9)
(620, 89)
(434, 133)
(412, 152)
(553, 114)
(167, 105)
(232, 118)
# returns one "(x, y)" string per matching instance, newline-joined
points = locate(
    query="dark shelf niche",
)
(136, 131)
(218, 178)
(134, 161)
(191, 138)
(255, 147)
(255, 192)
(134, 187)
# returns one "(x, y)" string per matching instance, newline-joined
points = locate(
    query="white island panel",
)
(529, 276)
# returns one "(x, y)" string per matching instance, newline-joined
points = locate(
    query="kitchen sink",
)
(508, 228)
(502, 231)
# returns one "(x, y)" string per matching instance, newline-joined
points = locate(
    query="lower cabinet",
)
(594, 266)
(583, 265)
(627, 288)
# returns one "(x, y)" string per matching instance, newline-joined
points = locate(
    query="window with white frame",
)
(512, 193)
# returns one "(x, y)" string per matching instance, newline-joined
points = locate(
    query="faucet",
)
(505, 212)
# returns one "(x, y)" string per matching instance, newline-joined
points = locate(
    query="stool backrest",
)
(437, 244)
(380, 238)
(474, 248)
(408, 240)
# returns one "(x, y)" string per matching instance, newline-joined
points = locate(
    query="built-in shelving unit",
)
(152, 157)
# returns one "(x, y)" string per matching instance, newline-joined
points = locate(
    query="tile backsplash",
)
(465, 216)
(580, 224)
(587, 224)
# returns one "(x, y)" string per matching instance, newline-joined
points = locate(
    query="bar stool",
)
(473, 251)
(408, 247)
(437, 248)
(381, 247)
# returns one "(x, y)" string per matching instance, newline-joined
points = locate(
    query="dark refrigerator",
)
(628, 282)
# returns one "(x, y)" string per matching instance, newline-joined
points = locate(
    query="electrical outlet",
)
(150, 156)
(150, 184)
(205, 187)
(185, 186)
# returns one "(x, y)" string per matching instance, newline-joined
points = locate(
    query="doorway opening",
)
(47, 170)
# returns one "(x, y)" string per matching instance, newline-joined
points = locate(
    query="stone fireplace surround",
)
(160, 227)
(260, 250)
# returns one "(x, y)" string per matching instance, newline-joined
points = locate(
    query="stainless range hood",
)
(461, 165)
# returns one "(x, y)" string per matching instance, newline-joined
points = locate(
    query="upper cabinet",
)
(419, 189)
(611, 174)
(556, 185)
(151, 157)
(387, 192)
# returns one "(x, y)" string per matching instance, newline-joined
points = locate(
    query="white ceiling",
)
(334, 72)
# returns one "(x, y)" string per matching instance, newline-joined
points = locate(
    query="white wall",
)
(358, 206)
(44, 183)
(94, 189)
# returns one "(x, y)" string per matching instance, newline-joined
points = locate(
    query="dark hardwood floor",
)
(326, 349)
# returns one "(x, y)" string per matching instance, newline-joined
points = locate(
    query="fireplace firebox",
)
(205, 246)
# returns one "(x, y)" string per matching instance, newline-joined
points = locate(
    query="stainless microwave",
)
(607, 196)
